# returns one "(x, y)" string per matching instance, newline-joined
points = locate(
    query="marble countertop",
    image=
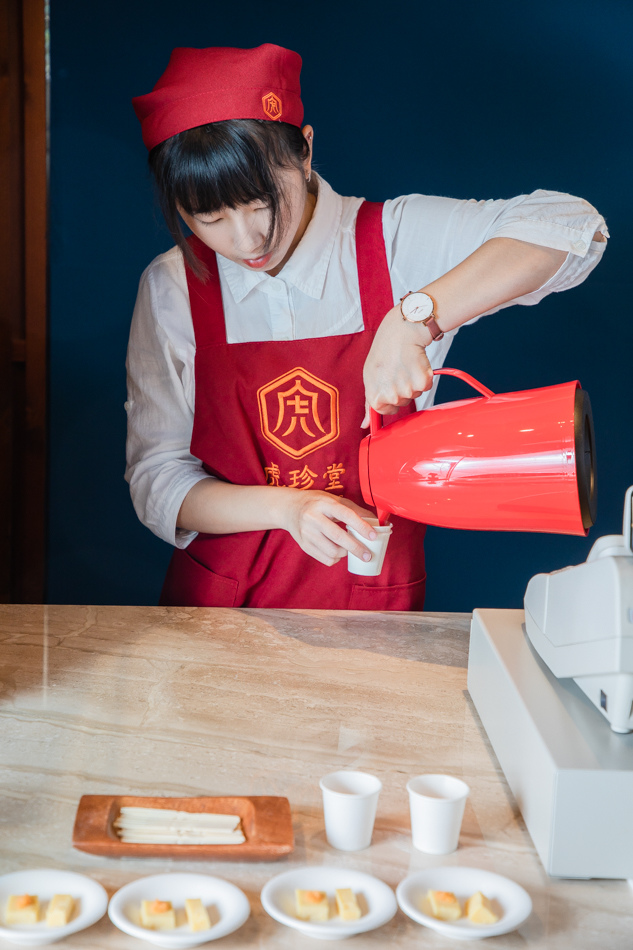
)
(177, 702)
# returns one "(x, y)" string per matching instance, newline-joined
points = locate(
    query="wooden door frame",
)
(24, 296)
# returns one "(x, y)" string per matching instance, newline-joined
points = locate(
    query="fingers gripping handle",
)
(375, 419)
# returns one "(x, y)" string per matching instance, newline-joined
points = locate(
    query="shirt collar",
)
(307, 267)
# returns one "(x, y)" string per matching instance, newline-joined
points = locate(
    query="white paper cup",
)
(350, 800)
(378, 548)
(437, 807)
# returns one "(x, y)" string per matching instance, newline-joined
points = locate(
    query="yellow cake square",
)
(22, 909)
(479, 910)
(197, 914)
(59, 910)
(158, 915)
(312, 905)
(444, 905)
(346, 904)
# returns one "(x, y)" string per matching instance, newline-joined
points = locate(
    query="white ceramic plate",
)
(377, 900)
(512, 903)
(227, 905)
(91, 901)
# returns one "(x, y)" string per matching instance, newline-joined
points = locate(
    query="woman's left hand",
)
(396, 369)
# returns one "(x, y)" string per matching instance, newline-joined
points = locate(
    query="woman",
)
(259, 342)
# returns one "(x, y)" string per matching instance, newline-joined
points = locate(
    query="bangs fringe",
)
(225, 165)
(213, 173)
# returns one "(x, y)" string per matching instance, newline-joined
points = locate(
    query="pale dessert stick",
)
(444, 905)
(176, 828)
(59, 910)
(346, 904)
(147, 827)
(22, 909)
(479, 910)
(312, 905)
(197, 914)
(132, 837)
(169, 826)
(171, 815)
(158, 915)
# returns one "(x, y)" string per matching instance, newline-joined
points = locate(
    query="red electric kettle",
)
(521, 461)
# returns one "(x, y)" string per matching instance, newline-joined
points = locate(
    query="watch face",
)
(417, 307)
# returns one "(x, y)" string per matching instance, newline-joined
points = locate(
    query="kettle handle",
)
(375, 419)
(467, 379)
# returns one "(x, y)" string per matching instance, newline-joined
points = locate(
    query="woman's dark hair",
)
(224, 165)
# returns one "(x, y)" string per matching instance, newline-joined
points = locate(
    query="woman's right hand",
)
(311, 519)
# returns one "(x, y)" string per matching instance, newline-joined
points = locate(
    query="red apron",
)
(288, 413)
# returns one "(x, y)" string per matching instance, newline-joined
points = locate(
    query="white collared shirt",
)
(316, 294)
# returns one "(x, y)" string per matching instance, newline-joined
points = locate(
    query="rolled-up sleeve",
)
(426, 236)
(549, 218)
(560, 221)
(160, 467)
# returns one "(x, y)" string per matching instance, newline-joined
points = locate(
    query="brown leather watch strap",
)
(431, 324)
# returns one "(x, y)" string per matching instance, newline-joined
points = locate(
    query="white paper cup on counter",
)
(378, 548)
(350, 800)
(437, 805)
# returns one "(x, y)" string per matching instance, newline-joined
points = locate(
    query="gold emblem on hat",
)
(272, 106)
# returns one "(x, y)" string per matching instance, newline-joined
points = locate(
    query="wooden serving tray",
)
(266, 821)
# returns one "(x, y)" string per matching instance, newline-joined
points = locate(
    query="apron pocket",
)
(190, 584)
(397, 597)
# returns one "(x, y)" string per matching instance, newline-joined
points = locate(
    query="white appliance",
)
(554, 689)
(580, 620)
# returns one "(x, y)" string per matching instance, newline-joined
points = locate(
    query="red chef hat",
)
(210, 85)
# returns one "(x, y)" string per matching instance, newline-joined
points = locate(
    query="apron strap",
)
(376, 294)
(205, 297)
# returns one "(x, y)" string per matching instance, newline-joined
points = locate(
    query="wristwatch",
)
(419, 307)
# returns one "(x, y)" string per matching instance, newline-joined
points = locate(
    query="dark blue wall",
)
(480, 100)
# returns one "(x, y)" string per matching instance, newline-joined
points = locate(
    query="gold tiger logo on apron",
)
(299, 413)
